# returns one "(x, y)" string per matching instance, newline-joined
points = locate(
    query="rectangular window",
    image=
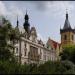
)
(16, 50)
(40, 53)
(25, 53)
(33, 52)
(25, 45)
(44, 57)
(65, 37)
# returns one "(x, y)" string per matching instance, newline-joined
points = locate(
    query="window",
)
(25, 45)
(65, 37)
(25, 50)
(34, 53)
(25, 53)
(45, 57)
(72, 37)
(40, 53)
(16, 41)
(16, 50)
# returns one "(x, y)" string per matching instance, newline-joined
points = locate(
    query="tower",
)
(26, 24)
(67, 33)
(33, 34)
(17, 24)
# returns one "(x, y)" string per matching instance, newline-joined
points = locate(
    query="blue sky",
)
(46, 16)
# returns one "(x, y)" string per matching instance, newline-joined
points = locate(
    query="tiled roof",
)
(53, 43)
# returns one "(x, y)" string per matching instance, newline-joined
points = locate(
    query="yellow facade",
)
(69, 38)
(67, 33)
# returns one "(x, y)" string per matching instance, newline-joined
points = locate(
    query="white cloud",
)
(2, 8)
(53, 10)
(13, 12)
(56, 8)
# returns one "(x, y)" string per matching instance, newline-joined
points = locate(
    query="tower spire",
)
(67, 23)
(26, 16)
(66, 14)
(26, 23)
(17, 21)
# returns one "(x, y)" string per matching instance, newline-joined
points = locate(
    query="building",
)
(28, 49)
(67, 38)
(53, 45)
(67, 33)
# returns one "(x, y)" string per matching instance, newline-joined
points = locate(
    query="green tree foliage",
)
(68, 53)
(64, 67)
(5, 31)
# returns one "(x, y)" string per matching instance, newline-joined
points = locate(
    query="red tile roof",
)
(53, 43)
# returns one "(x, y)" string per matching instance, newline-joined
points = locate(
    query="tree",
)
(68, 53)
(5, 49)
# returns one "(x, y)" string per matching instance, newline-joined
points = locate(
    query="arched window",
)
(65, 37)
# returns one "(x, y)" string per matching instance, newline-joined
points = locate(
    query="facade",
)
(67, 33)
(67, 38)
(29, 49)
(54, 46)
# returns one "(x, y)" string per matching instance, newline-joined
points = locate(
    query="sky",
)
(46, 16)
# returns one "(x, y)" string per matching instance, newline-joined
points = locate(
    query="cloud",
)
(2, 8)
(54, 7)
(52, 10)
(40, 5)
(12, 11)
(46, 7)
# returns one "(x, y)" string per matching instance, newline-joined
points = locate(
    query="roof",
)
(67, 26)
(67, 23)
(53, 43)
(33, 29)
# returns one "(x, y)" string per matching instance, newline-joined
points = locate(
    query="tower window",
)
(72, 37)
(65, 37)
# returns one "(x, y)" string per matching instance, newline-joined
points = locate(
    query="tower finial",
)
(26, 16)
(66, 13)
(26, 11)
